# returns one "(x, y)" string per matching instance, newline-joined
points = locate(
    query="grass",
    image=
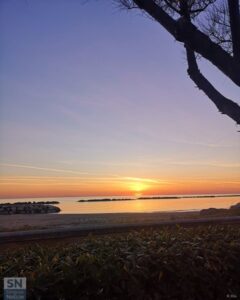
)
(201, 262)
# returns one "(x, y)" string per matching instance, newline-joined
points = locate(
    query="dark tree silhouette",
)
(208, 28)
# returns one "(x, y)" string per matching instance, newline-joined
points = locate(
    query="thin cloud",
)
(103, 163)
(144, 180)
(201, 163)
(203, 144)
(43, 169)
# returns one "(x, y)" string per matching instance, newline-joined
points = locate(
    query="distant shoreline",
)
(155, 198)
(127, 197)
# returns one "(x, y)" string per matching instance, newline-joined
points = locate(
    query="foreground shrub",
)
(172, 263)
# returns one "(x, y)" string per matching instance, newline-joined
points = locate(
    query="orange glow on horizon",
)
(24, 187)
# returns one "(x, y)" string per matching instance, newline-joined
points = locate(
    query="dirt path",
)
(60, 234)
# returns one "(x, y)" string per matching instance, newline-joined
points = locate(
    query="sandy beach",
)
(54, 221)
(61, 229)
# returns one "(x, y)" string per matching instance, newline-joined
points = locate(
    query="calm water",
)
(69, 205)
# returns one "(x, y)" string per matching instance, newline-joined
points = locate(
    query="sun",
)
(138, 187)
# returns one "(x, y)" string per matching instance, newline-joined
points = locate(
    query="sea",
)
(71, 205)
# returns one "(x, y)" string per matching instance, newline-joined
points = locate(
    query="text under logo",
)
(14, 288)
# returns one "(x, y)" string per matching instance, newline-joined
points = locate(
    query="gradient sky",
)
(96, 101)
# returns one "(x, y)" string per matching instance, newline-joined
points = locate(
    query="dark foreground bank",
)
(200, 262)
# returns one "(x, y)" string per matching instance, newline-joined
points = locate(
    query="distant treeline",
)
(155, 198)
(105, 200)
(186, 197)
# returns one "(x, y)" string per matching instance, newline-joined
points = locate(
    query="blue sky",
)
(92, 89)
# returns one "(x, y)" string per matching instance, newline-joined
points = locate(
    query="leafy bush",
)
(171, 263)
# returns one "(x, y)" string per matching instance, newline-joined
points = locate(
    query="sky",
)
(95, 100)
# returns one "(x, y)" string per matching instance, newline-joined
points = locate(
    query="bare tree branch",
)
(199, 42)
(216, 25)
(220, 40)
(224, 105)
(234, 14)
